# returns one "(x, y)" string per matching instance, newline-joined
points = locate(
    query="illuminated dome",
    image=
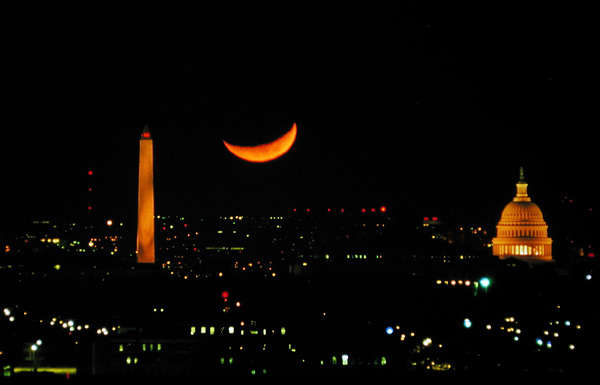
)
(522, 232)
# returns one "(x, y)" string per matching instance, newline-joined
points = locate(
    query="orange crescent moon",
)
(264, 152)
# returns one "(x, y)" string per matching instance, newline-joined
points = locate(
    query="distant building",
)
(522, 232)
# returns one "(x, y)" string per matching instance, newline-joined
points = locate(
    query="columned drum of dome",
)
(522, 232)
(145, 226)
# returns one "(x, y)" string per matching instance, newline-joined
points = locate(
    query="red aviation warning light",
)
(383, 209)
(146, 133)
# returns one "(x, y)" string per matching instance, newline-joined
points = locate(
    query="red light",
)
(328, 210)
(185, 225)
(294, 210)
(90, 173)
(591, 255)
(373, 209)
(89, 189)
(89, 207)
(341, 210)
(425, 218)
(164, 228)
(224, 294)
(435, 218)
(308, 210)
(145, 135)
(383, 209)
(363, 210)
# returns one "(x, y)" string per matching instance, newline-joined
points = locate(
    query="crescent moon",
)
(264, 152)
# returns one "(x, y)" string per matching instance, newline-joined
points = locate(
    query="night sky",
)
(426, 108)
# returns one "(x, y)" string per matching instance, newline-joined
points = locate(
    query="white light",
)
(11, 318)
(571, 347)
(344, 359)
(34, 347)
(588, 277)
(427, 341)
(70, 323)
(389, 330)
(7, 312)
(38, 342)
(467, 323)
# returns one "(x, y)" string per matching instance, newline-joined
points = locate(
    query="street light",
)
(485, 282)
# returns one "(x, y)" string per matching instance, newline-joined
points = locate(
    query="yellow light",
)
(91, 244)
(55, 370)
(109, 222)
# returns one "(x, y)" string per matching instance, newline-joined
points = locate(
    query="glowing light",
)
(383, 209)
(345, 359)
(265, 152)
(90, 173)
(109, 222)
(34, 347)
(389, 330)
(539, 341)
(467, 323)
(485, 282)
(224, 294)
(588, 277)
(427, 341)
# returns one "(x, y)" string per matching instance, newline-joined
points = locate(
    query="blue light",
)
(467, 323)
(484, 282)
(389, 330)
(539, 341)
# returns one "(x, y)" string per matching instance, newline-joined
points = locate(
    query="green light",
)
(485, 282)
